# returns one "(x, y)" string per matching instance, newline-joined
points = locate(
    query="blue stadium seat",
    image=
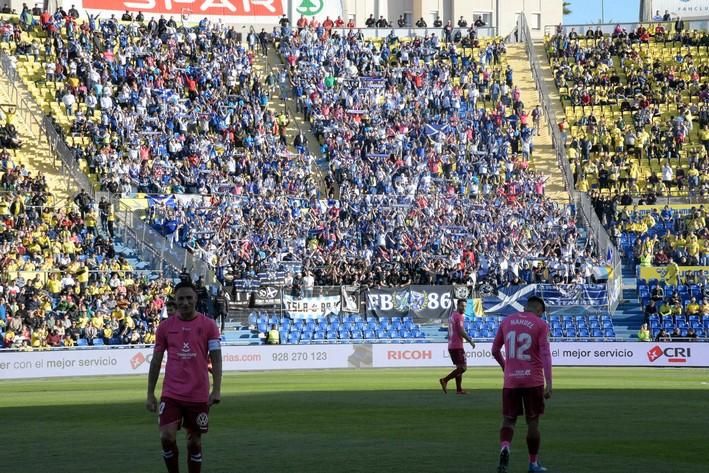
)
(98, 342)
(369, 335)
(681, 323)
(557, 333)
(609, 333)
(700, 332)
(82, 342)
(596, 333)
(583, 332)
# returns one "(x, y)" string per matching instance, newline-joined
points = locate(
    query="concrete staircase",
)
(35, 154)
(263, 65)
(544, 157)
(629, 314)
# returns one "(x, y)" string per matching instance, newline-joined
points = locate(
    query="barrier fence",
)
(136, 361)
(42, 276)
(604, 245)
(422, 303)
(608, 28)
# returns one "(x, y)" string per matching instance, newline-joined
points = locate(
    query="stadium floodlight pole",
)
(603, 10)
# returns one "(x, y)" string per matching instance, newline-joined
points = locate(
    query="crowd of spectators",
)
(61, 280)
(428, 146)
(643, 127)
(428, 149)
(165, 108)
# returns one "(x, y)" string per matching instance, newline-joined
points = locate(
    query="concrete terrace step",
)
(544, 156)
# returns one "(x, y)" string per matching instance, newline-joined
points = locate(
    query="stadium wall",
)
(126, 361)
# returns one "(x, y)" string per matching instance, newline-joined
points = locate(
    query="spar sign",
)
(196, 8)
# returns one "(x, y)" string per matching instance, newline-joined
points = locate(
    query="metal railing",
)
(608, 28)
(152, 247)
(585, 211)
(482, 32)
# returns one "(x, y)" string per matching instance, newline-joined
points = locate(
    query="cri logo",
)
(673, 354)
(137, 360)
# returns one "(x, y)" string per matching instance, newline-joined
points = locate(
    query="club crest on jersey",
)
(186, 347)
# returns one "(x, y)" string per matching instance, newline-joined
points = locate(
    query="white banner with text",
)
(124, 361)
(695, 354)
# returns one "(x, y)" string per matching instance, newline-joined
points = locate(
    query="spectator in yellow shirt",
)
(693, 307)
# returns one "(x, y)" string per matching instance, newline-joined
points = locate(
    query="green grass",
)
(610, 420)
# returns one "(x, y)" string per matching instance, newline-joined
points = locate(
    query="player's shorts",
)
(458, 356)
(523, 401)
(193, 415)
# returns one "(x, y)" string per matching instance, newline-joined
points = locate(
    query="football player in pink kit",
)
(456, 335)
(527, 365)
(191, 341)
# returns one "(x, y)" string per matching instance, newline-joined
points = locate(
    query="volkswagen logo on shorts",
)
(202, 419)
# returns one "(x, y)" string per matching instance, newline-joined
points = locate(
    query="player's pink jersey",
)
(527, 353)
(455, 326)
(187, 345)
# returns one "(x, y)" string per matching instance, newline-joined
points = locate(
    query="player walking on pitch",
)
(191, 340)
(527, 365)
(456, 335)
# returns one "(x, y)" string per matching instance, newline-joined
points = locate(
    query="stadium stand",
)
(426, 148)
(383, 226)
(64, 281)
(631, 100)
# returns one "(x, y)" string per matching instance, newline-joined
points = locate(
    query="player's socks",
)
(506, 434)
(533, 447)
(194, 459)
(171, 457)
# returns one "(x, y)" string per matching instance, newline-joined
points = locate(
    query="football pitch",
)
(599, 420)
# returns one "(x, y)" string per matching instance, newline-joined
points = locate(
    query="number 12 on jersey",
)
(517, 345)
